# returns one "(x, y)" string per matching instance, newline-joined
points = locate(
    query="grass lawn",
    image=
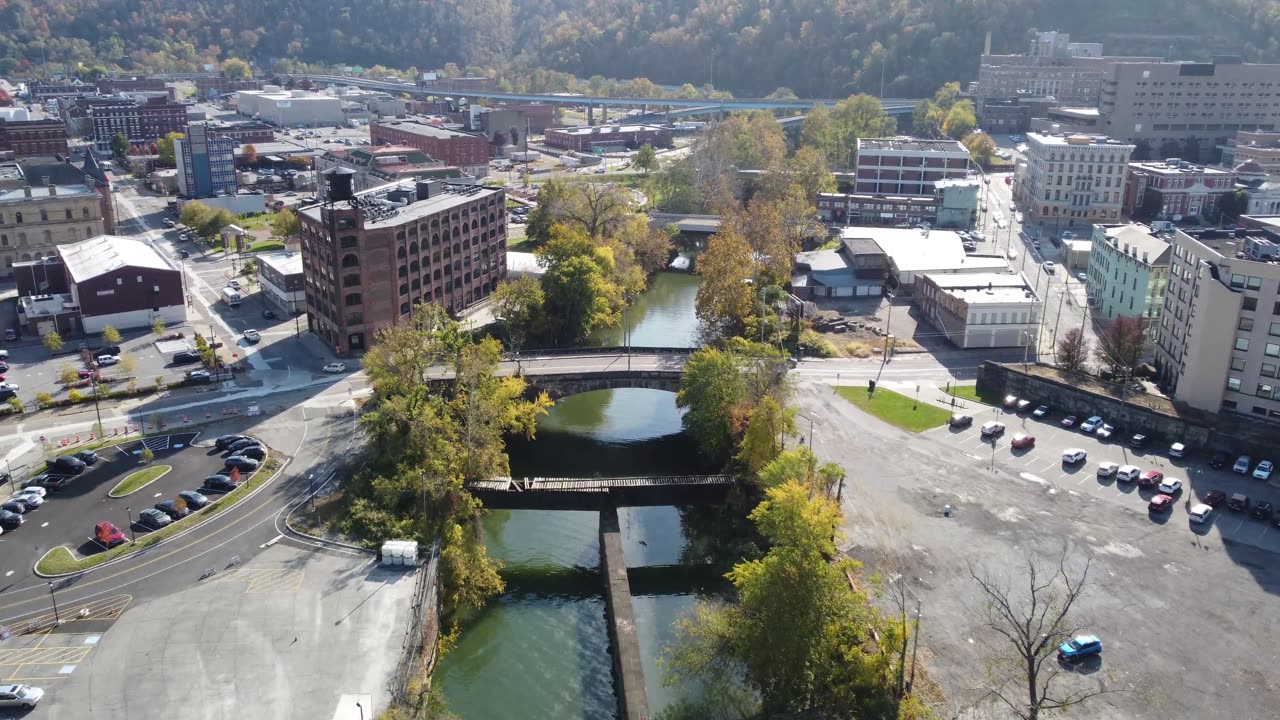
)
(60, 561)
(895, 409)
(970, 392)
(255, 222)
(265, 245)
(138, 480)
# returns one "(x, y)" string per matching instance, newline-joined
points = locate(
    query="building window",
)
(84, 213)
(1275, 328)
(1233, 384)
(1249, 304)
(1242, 344)
(1273, 350)
(350, 280)
(68, 213)
(352, 299)
(1254, 283)
(17, 217)
(1246, 324)
(350, 260)
(1269, 370)
(1237, 281)
(1237, 363)
(1264, 390)
(1258, 410)
(348, 241)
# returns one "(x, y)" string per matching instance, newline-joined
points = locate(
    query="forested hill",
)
(750, 47)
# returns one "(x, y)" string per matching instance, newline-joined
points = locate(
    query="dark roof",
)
(91, 167)
(58, 172)
(861, 246)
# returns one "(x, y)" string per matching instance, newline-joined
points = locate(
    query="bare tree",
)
(1073, 350)
(1029, 625)
(1121, 345)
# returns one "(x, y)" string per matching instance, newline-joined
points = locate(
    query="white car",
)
(1263, 471)
(1177, 450)
(9, 386)
(1128, 473)
(252, 336)
(1107, 469)
(34, 490)
(1074, 455)
(335, 367)
(993, 428)
(1049, 267)
(29, 498)
(105, 360)
(1242, 464)
(1106, 431)
(1200, 513)
(1170, 486)
(20, 696)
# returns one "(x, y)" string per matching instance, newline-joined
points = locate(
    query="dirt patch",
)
(858, 336)
(1147, 398)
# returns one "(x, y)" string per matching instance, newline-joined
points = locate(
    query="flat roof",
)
(984, 288)
(605, 129)
(414, 210)
(418, 127)
(912, 251)
(911, 144)
(1183, 168)
(283, 263)
(1076, 139)
(102, 254)
(42, 191)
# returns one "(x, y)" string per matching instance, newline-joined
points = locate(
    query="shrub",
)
(858, 350)
(45, 399)
(75, 396)
(814, 345)
(147, 455)
(16, 404)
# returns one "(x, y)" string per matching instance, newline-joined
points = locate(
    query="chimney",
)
(26, 190)
(1144, 257)
(53, 190)
(986, 46)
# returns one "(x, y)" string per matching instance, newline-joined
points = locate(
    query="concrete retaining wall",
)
(628, 671)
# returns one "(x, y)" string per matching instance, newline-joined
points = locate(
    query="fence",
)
(418, 653)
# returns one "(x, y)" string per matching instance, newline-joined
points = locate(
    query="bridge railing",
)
(608, 350)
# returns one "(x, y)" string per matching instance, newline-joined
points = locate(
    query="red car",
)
(1150, 478)
(1069, 421)
(1023, 440)
(1214, 498)
(84, 373)
(108, 534)
(1160, 503)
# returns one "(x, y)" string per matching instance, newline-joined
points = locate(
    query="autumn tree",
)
(818, 132)
(768, 425)
(52, 341)
(651, 246)
(1028, 618)
(960, 120)
(249, 154)
(194, 213)
(1121, 345)
(285, 224)
(111, 336)
(646, 159)
(861, 116)
(519, 303)
(724, 298)
(980, 146)
(164, 148)
(236, 69)
(592, 208)
(713, 392)
(1073, 350)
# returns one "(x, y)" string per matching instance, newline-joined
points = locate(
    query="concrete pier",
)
(628, 672)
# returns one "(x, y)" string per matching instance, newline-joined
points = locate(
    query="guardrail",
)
(611, 350)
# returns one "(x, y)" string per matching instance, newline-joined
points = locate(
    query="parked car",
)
(49, 481)
(1200, 513)
(1160, 503)
(108, 534)
(1091, 425)
(1023, 440)
(10, 335)
(1041, 411)
(1080, 647)
(1138, 441)
(1238, 502)
(960, 420)
(31, 499)
(34, 489)
(1107, 469)
(1010, 401)
(226, 441)
(1071, 456)
(1243, 463)
(1049, 267)
(992, 428)
(193, 499)
(1128, 473)
(1177, 450)
(1171, 486)
(185, 357)
(1262, 510)
(241, 463)
(1023, 405)
(1069, 421)
(1214, 498)
(269, 314)
(252, 337)
(1218, 460)
(16, 506)
(199, 376)
(108, 360)
(67, 465)
(220, 483)
(1150, 478)
(153, 518)
(335, 367)
(20, 696)
(10, 520)
(173, 509)
(88, 457)
(241, 444)
(1263, 471)
(256, 452)
(106, 350)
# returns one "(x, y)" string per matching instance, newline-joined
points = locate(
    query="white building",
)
(1073, 179)
(283, 285)
(1128, 271)
(981, 310)
(290, 107)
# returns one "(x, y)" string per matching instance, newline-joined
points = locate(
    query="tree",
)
(713, 391)
(236, 69)
(861, 116)
(285, 224)
(119, 146)
(44, 399)
(164, 147)
(592, 208)
(769, 424)
(724, 299)
(111, 336)
(924, 119)
(946, 96)
(1234, 204)
(818, 132)
(801, 466)
(576, 287)
(1152, 204)
(1121, 344)
(687, 92)
(1073, 350)
(249, 154)
(194, 214)
(519, 303)
(651, 246)
(960, 120)
(980, 146)
(52, 341)
(157, 327)
(68, 374)
(646, 159)
(16, 405)
(1029, 623)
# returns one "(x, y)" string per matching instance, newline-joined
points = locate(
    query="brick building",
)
(139, 121)
(539, 116)
(608, 137)
(368, 257)
(1175, 188)
(25, 138)
(889, 166)
(111, 86)
(451, 147)
(244, 132)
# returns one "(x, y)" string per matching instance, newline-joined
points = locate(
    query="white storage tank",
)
(400, 553)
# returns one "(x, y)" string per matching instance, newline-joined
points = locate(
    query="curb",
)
(197, 526)
(168, 469)
(323, 541)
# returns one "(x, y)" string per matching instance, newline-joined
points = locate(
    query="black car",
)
(153, 519)
(1262, 510)
(193, 499)
(227, 441)
(10, 520)
(960, 420)
(106, 350)
(173, 509)
(1238, 502)
(243, 444)
(221, 483)
(241, 463)
(268, 314)
(67, 465)
(88, 457)
(184, 254)
(257, 452)
(16, 506)
(49, 481)
(186, 357)
(1218, 461)
(6, 393)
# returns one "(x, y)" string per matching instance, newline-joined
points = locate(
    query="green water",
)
(662, 316)
(541, 650)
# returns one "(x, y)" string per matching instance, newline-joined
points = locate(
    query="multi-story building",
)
(463, 150)
(287, 108)
(376, 165)
(1073, 178)
(1257, 146)
(1128, 272)
(244, 132)
(1218, 347)
(34, 221)
(206, 162)
(954, 204)
(607, 138)
(43, 92)
(283, 282)
(895, 166)
(1184, 109)
(1175, 189)
(981, 310)
(33, 137)
(141, 121)
(369, 257)
(1070, 72)
(110, 86)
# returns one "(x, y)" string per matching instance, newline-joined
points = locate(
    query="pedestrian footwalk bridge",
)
(506, 493)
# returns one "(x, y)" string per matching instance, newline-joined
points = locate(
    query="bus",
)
(232, 296)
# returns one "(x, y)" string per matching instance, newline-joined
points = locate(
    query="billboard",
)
(428, 76)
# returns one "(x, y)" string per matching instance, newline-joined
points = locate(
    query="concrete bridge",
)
(599, 493)
(567, 372)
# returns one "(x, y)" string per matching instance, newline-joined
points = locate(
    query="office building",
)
(1128, 272)
(1055, 67)
(902, 166)
(43, 92)
(141, 121)
(607, 138)
(1175, 189)
(369, 257)
(244, 133)
(1184, 109)
(25, 138)
(981, 310)
(466, 151)
(1070, 179)
(206, 162)
(377, 165)
(36, 219)
(953, 204)
(283, 282)
(290, 108)
(1261, 147)
(1218, 346)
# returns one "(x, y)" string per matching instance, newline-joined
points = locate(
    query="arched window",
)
(26, 257)
(414, 267)
(350, 260)
(400, 235)
(17, 217)
(456, 231)
(404, 288)
(417, 284)
(435, 239)
(44, 215)
(484, 221)
(413, 248)
(404, 271)
(400, 252)
(352, 299)
(404, 308)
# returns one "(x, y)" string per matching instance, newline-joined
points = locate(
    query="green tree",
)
(164, 148)
(725, 270)
(946, 96)
(713, 392)
(285, 224)
(818, 131)
(769, 424)
(119, 146)
(673, 188)
(645, 159)
(801, 466)
(111, 336)
(519, 303)
(195, 214)
(981, 147)
(578, 293)
(960, 120)
(236, 69)
(52, 341)
(16, 405)
(44, 399)
(687, 92)
(861, 116)
(157, 327)
(147, 455)
(67, 374)
(593, 208)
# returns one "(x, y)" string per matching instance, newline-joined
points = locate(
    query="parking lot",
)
(68, 515)
(1043, 464)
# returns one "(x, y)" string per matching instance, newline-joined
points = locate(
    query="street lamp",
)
(56, 620)
(1026, 347)
(361, 710)
(129, 512)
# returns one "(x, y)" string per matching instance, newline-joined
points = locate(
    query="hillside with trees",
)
(827, 48)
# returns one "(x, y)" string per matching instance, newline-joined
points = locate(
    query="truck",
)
(232, 296)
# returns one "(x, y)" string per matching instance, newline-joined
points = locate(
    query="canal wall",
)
(628, 671)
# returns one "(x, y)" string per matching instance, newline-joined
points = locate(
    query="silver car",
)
(20, 696)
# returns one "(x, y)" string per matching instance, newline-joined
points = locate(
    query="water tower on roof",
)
(338, 184)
